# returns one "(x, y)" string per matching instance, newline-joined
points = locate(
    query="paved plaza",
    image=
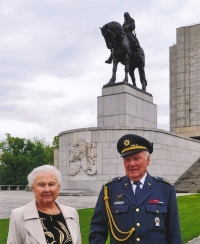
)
(13, 199)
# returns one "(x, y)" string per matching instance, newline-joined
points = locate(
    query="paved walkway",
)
(13, 199)
(195, 241)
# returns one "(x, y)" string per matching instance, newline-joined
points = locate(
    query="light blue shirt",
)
(141, 181)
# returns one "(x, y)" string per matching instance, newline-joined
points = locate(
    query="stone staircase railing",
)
(14, 187)
(189, 182)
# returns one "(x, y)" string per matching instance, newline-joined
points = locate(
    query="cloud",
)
(52, 59)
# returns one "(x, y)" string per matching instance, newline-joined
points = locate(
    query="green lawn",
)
(189, 207)
(3, 230)
(189, 211)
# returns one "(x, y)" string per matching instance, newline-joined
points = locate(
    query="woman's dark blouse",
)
(55, 228)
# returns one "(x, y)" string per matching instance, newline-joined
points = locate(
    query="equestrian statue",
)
(125, 48)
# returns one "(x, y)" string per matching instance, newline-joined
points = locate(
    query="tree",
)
(18, 157)
(55, 142)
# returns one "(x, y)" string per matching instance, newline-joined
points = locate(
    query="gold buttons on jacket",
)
(117, 211)
(137, 210)
(138, 239)
(157, 211)
(138, 224)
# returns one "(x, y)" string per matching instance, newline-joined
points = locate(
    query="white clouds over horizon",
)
(52, 59)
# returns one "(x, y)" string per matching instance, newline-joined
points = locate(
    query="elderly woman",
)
(44, 220)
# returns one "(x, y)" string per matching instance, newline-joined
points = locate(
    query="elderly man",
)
(136, 208)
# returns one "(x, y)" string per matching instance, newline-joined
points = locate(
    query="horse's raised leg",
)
(142, 77)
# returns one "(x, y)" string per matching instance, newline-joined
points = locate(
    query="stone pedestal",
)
(122, 105)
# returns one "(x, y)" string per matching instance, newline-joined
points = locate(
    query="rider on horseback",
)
(129, 26)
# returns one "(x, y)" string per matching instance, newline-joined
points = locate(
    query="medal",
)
(155, 201)
(157, 221)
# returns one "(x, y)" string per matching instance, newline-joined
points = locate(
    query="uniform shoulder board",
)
(163, 180)
(113, 180)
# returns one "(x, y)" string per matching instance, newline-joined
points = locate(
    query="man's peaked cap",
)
(131, 144)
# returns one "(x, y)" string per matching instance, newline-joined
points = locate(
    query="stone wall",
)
(185, 80)
(171, 157)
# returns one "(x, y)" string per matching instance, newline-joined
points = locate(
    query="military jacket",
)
(154, 216)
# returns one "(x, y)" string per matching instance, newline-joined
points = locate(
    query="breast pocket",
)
(156, 215)
(120, 215)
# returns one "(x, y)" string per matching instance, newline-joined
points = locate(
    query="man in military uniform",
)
(136, 208)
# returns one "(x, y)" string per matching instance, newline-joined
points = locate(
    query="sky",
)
(52, 59)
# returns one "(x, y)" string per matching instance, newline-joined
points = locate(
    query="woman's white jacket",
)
(25, 226)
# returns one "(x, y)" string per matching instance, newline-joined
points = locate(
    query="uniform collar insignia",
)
(119, 197)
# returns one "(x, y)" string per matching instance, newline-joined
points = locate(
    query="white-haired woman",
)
(44, 220)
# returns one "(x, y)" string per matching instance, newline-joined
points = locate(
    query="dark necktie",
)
(137, 189)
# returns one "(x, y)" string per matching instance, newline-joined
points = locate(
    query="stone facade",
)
(171, 157)
(189, 131)
(185, 82)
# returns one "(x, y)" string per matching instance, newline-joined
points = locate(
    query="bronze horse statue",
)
(125, 52)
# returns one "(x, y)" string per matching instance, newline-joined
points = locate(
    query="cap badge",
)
(126, 143)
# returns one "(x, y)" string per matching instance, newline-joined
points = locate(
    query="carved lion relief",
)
(82, 155)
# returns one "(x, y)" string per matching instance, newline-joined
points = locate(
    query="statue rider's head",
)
(127, 16)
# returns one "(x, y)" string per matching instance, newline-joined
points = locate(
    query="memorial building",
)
(88, 157)
(185, 82)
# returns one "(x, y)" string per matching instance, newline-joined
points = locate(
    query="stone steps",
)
(189, 182)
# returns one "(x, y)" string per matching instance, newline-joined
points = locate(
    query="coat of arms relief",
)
(82, 155)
